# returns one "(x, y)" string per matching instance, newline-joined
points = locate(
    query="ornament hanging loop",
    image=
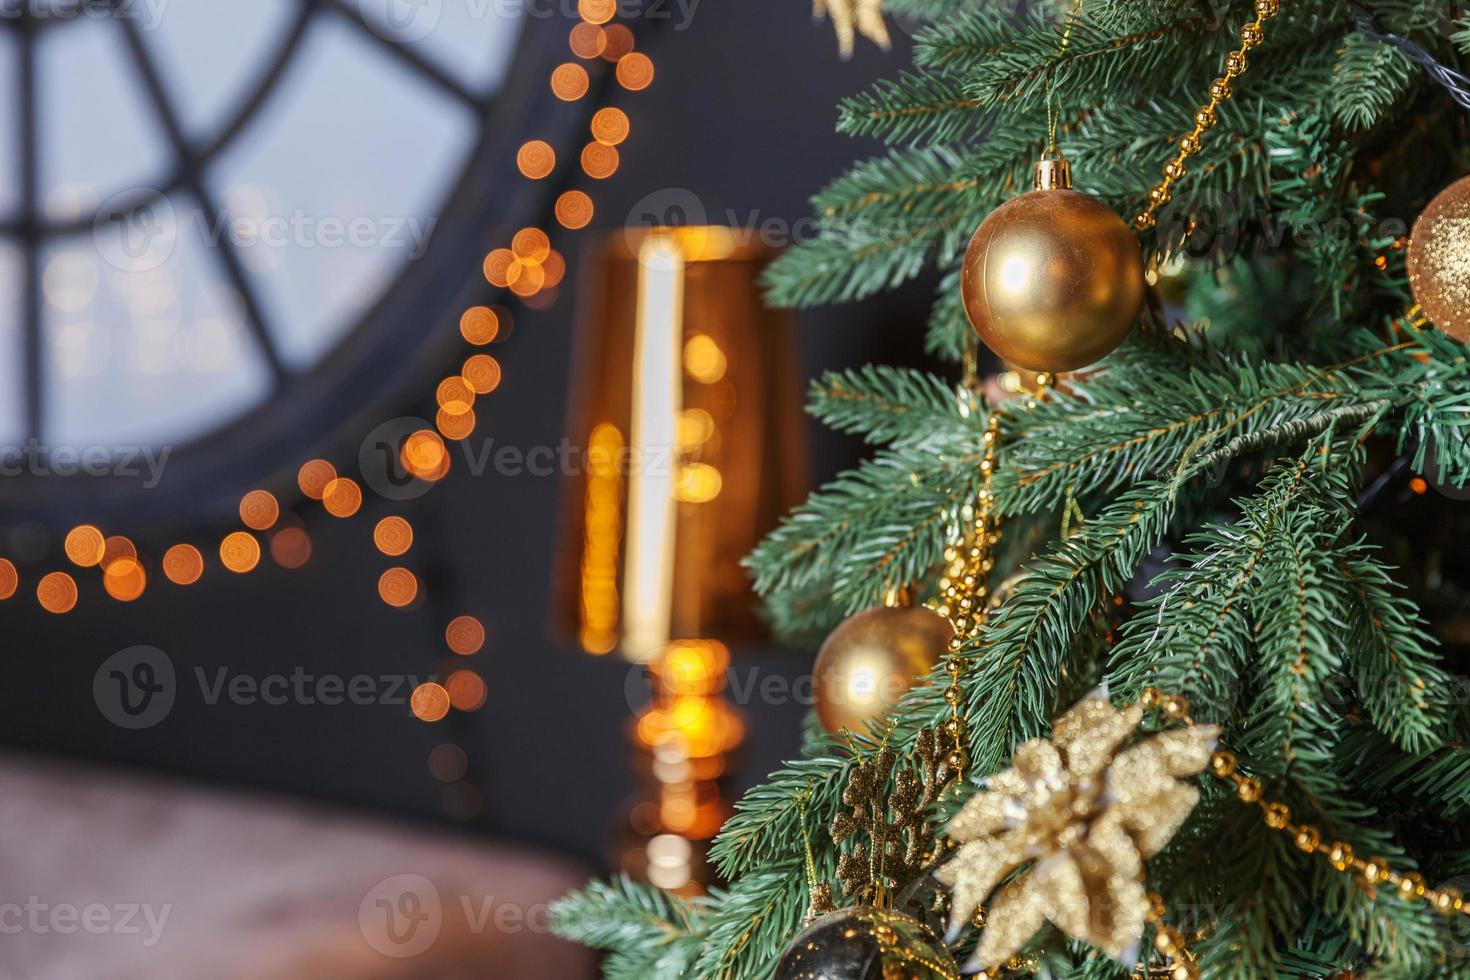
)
(1052, 173)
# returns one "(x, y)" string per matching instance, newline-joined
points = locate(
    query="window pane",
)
(99, 134)
(337, 187)
(471, 39)
(211, 54)
(145, 343)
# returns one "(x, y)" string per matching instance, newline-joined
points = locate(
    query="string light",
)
(291, 547)
(610, 126)
(9, 579)
(464, 635)
(481, 372)
(398, 587)
(587, 40)
(259, 510)
(570, 82)
(84, 546)
(429, 702)
(57, 592)
(536, 159)
(117, 547)
(635, 71)
(183, 564)
(342, 497)
(314, 477)
(393, 536)
(125, 580)
(479, 325)
(574, 210)
(599, 160)
(239, 552)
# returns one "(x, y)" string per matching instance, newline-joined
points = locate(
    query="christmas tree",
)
(1190, 721)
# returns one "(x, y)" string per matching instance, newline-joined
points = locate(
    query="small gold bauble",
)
(1439, 260)
(872, 659)
(1053, 279)
(866, 943)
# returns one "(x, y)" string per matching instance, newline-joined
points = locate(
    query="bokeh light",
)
(259, 510)
(610, 126)
(425, 456)
(342, 497)
(448, 763)
(393, 536)
(183, 564)
(536, 159)
(599, 160)
(430, 702)
(587, 40)
(482, 373)
(9, 578)
(239, 552)
(501, 267)
(57, 592)
(455, 426)
(531, 245)
(125, 580)
(465, 635)
(635, 71)
(117, 547)
(703, 359)
(569, 82)
(454, 395)
(466, 690)
(597, 11)
(84, 546)
(398, 587)
(291, 547)
(314, 476)
(574, 210)
(479, 325)
(618, 42)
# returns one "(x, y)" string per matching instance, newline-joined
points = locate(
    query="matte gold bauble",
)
(866, 943)
(1053, 279)
(1439, 260)
(869, 661)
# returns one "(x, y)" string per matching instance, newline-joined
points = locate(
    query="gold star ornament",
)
(853, 17)
(1085, 808)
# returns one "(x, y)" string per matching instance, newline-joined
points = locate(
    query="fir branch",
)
(896, 405)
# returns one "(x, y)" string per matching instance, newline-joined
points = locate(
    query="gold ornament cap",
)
(1052, 174)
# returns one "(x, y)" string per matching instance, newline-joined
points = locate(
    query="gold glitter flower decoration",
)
(1087, 811)
(852, 17)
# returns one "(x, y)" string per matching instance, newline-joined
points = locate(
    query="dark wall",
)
(741, 114)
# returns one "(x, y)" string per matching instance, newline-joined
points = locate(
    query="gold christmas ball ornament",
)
(1439, 260)
(866, 943)
(1053, 279)
(872, 659)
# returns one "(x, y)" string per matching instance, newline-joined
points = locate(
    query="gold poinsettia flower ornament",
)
(1087, 811)
(853, 17)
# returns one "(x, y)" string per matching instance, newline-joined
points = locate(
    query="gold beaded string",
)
(964, 589)
(1205, 117)
(1179, 962)
(1308, 839)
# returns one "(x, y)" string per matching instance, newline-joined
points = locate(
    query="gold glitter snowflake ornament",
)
(853, 17)
(1087, 808)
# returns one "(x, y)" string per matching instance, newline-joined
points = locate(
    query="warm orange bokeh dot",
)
(430, 702)
(587, 40)
(57, 592)
(183, 564)
(239, 552)
(9, 578)
(501, 267)
(454, 395)
(530, 280)
(125, 579)
(314, 477)
(398, 587)
(569, 82)
(599, 161)
(531, 245)
(291, 547)
(393, 536)
(610, 126)
(425, 455)
(455, 425)
(465, 635)
(259, 510)
(482, 373)
(574, 210)
(466, 690)
(478, 325)
(342, 497)
(536, 159)
(597, 11)
(635, 71)
(117, 547)
(555, 268)
(84, 546)
(619, 41)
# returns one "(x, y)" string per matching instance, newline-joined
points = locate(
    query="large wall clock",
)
(230, 229)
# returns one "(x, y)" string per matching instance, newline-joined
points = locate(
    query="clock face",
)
(225, 227)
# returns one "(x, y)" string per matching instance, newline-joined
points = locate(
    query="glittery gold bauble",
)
(869, 661)
(1053, 279)
(866, 944)
(1439, 260)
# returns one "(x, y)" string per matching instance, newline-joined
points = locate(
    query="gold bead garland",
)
(1308, 838)
(1205, 117)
